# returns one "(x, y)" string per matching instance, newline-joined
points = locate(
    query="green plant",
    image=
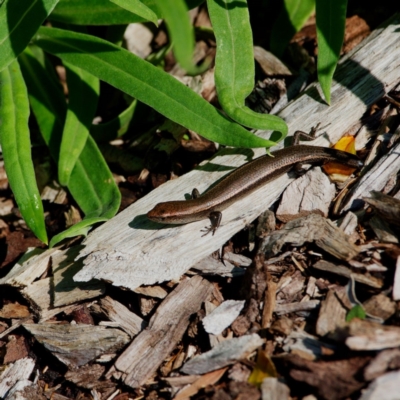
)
(66, 128)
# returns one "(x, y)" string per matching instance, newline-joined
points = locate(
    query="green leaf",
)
(91, 183)
(19, 21)
(356, 312)
(234, 64)
(83, 89)
(16, 147)
(92, 12)
(138, 8)
(79, 229)
(148, 84)
(116, 127)
(290, 20)
(331, 20)
(181, 33)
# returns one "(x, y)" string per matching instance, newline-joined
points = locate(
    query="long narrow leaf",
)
(181, 33)
(138, 8)
(19, 21)
(16, 147)
(234, 64)
(83, 89)
(290, 20)
(148, 84)
(116, 127)
(92, 12)
(91, 183)
(331, 20)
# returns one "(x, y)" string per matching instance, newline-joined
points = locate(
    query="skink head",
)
(160, 213)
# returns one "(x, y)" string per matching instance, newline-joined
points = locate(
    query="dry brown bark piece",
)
(365, 278)
(17, 348)
(89, 376)
(313, 228)
(331, 314)
(332, 380)
(76, 345)
(380, 306)
(386, 206)
(166, 328)
(116, 312)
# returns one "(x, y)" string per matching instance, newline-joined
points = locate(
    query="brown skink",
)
(244, 180)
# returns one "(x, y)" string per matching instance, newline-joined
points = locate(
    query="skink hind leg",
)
(305, 136)
(215, 219)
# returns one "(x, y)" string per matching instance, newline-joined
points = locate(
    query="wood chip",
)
(152, 291)
(226, 353)
(332, 314)
(29, 267)
(269, 63)
(222, 316)
(209, 265)
(166, 328)
(386, 206)
(14, 310)
(341, 270)
(385, 387)
(396, 283)
(273, 389)
(380, 306)
(313, 228)
(76, 345)
(386, 359)
(367, 335)
(312, 192)
(66, 289)
(382, 230)
(131, 323)
(281, 309)
(21, 370)
(375, 178)
(208, 379)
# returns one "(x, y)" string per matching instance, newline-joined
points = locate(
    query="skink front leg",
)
(215, 220)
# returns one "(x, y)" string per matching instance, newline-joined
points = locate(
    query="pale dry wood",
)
(222, 316)
(273, 389)
(29, 267)
(313, 192)
(66, 291)
(21, 370)
(363, 335)
(349, 223)
(152, 291)
(385, 387)
(131, 323)
(166, 328)
(375, 179)
(281, 309)
(384, 360)
(76, 345)
(26, 390)
(39, 295)
(312, 228)
(210, 265)
(130, 251)
(396, 283)
(342, 270)
(331, 314)
(225, 353)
